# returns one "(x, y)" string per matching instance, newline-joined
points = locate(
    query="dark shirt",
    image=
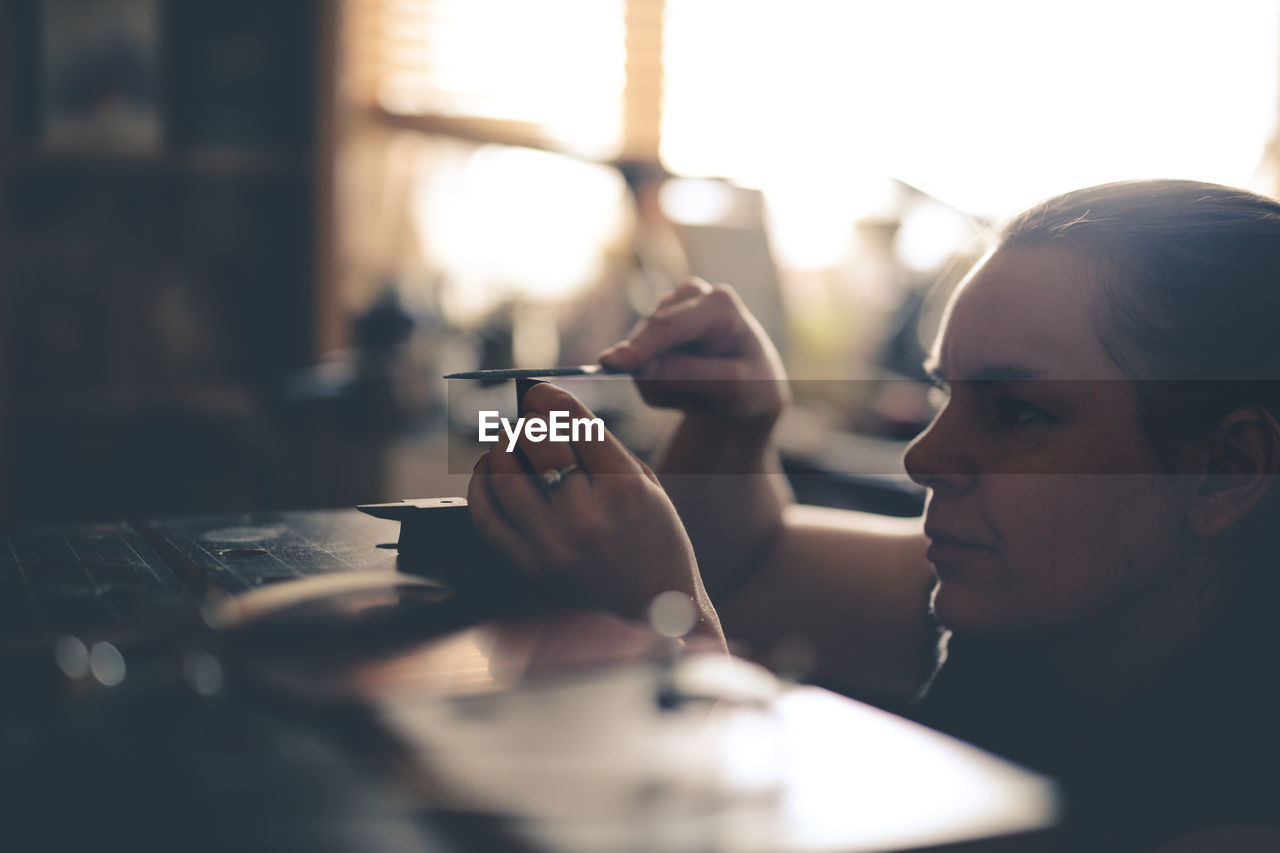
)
(1194, 748)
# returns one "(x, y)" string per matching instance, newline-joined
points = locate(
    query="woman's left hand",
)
(607, 530)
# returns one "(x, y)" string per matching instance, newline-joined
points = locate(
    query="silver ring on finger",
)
(553, 476)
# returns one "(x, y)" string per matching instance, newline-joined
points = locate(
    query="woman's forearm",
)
(726, 482)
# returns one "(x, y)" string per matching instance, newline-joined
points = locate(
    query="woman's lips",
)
(948, 549)
(940, 536)
(945, 549)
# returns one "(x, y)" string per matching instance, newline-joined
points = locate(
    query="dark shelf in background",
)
(155, 296)
(212, 163)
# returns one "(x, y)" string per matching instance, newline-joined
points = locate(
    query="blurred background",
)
(241, 241)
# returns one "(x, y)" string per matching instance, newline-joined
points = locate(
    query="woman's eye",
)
(1010, 412)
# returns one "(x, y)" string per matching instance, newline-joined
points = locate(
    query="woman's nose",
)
(937, 458)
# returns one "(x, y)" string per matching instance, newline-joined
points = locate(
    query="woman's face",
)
(1047, 504)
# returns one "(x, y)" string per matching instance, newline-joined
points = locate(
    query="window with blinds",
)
(551, 74)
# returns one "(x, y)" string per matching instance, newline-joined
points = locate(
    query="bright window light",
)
(986, 104)
(557, 65)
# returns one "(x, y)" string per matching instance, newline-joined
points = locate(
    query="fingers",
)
(615, 541)
(674, 366)
(690, 288)
(492, 522)
(685, 290)
(518, 496)
(547, 532)
(693, 382)
(522, 502)
(540, 401)
(599, 453)
(712, 321)
(685, 315)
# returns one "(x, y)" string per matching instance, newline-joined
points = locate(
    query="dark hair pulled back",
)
(1189, 296)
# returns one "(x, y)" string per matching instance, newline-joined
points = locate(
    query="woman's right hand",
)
(703, 353)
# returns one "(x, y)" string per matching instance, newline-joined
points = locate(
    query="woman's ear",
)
(1239, 466)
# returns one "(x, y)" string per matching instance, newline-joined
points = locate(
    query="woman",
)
(1097, 536)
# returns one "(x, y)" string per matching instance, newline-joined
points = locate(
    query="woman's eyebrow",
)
(1007, 371)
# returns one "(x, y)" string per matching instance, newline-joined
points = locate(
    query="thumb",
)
(675, 326)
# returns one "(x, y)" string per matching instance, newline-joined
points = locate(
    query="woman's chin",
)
(966, 609)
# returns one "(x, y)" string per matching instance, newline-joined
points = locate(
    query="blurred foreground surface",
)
(270, 682)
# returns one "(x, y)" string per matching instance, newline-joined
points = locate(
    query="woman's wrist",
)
(707, 444)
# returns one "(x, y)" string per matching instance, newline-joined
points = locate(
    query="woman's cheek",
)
(1078, 542)
(1053, 534)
